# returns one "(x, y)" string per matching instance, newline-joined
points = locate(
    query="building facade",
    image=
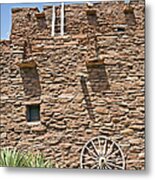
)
(68, 79)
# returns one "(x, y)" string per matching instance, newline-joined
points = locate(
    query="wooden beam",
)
(62, 18)
(53, 20)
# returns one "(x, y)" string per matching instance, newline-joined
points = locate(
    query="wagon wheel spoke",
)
(87, 156)
(102, 153)
(104, 167)
(95, 148)
(95, 166)
(119, 161)
(108, 166)
(91, 151)
(113, 153)
(109, 151)
(99, 143)
(115, 166)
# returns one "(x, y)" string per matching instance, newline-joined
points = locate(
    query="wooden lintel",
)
(40, 15)
(29, 64)
(91, 12)
(93, 63)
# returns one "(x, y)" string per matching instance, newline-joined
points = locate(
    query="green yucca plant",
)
(37, 161)
(11, 158)
(14, 158)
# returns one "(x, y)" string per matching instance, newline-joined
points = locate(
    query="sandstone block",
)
(3, 135)
(38, 128)
(101, 110)
(127, 132)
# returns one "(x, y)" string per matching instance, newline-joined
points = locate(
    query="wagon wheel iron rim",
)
(102, 153)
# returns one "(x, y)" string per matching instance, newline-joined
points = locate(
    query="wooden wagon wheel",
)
(102, 153)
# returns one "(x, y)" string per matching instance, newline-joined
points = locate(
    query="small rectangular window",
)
(33, 113)
(120, 29)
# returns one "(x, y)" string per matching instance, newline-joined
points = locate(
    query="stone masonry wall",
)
(89, 82)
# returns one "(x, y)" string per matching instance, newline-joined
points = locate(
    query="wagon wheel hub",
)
(102, 162)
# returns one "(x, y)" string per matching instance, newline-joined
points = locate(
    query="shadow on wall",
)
(42, 23)
(130, 19)
(129, 16)
(30, 78)
(89, 106)
(91, 17)
(97, 77)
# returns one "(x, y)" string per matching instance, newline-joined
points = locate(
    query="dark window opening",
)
(120, 29)
(92, 17)
(33, 113)
(29, 16)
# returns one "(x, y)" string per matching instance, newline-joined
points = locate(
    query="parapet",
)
(84, 18)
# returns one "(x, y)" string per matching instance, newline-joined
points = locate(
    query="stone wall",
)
(89, 82)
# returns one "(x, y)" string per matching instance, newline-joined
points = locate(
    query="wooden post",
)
(53, 20)
(62, 18)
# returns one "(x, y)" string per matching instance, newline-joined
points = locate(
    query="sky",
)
(5, 15)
